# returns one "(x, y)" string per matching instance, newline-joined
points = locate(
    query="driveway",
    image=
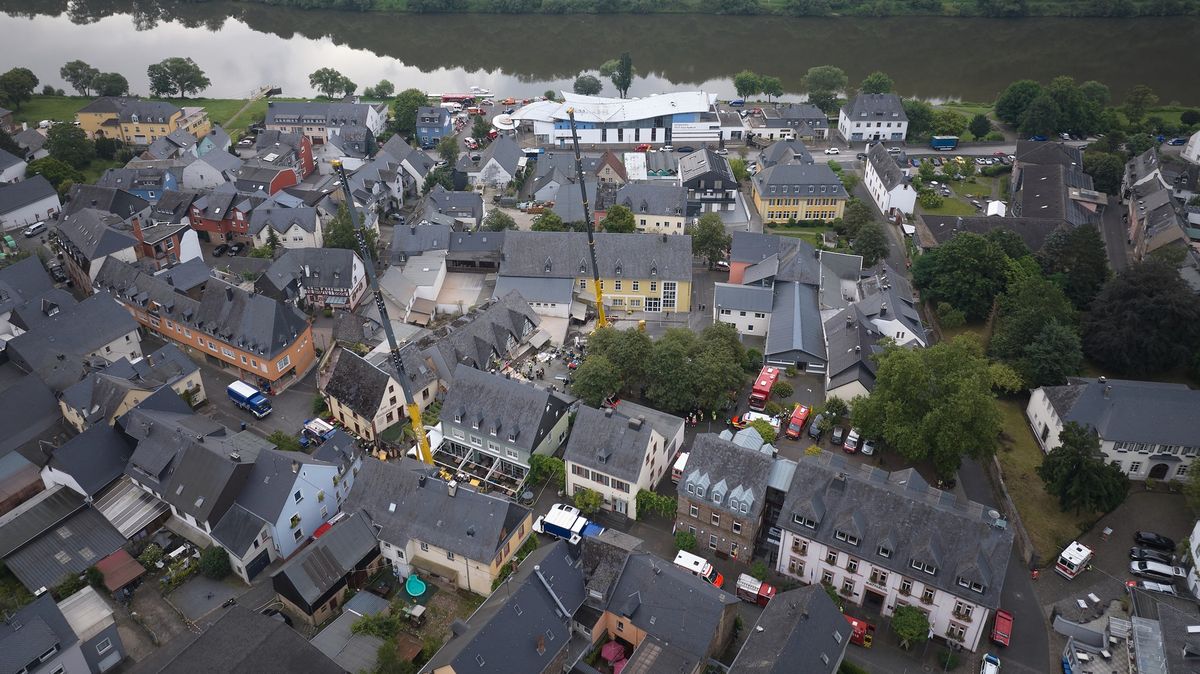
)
(1113, 229)
(199, 596)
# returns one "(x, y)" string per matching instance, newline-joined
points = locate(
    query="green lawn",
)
(1049, 528)
(951, 206)
(220, 110)
(59, 108)
(97, 168)
(809, 234)
(968, 110)
(981, 187)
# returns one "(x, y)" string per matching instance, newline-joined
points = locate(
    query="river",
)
(244, 45)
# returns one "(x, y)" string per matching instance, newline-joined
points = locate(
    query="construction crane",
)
(601, 321)
(360, 236)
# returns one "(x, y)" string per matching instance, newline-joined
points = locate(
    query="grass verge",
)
(950, 206)
(809, 234)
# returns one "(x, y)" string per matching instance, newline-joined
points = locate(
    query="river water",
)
(244, 45)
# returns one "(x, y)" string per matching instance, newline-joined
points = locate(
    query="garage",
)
(257, 564)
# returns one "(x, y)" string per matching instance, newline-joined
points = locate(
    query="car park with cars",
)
(220, 250)
(34, 229)
(852, 440)
(1150, 555)
(1153, 540)
(1157, 571)
(839, 435)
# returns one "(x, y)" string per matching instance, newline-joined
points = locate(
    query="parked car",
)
(220, 250)
(1002, 627)
(1153, 540)
(1157, 571)
(56, 270)
(814, 427)
(851, 445)
(839, 435)
(1150, 555)
(738, 102)
(1151, 586)
(723, 265)
(991, 665)
(236, 249)
(642, 148)
(723, 152)
(685, 149)
(832, 150)
(35, 229)
(937, 161)
(914, 163)
(667, 148)
(868, 448)
(1038, 138)
(1177, 141)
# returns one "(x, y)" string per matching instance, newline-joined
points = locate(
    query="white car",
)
(35, 229)
(832, 150)
(851, 444)
(990, 665)
(868, 448)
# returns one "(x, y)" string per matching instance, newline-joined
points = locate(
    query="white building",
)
(747, 308)
(679, 118)
(887, 183)
(869, 117)
(12, 168)
(1150, 429)
(889, 540)
(26, 202)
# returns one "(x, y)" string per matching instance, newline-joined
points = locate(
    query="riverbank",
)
(223, 111)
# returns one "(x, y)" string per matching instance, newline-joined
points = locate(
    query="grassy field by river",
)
(223, 111)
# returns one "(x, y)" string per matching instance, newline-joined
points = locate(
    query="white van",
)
(679, 467)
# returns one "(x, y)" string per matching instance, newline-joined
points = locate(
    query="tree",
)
(685, 540)
(871, 243)
(385, 89)
(331, 83)
(1145, 320)
(824, 84)
(772, 86)
(738, 166)
(669, 372)
(339, 233)
(1043, 116)
(442, 175)
(1025, 314)
(877, 82)
(619, 220)
(214, 562)
(284, 442)
(782, 389)
(980, 126)
(588, 501)
(920, 118)
(548, 221)
(1055, 354)
(56, 171)
(176, 75)
(709, 238)
(1141, 98)
(766, 430)
(807, 7)
(106, 148)
(17, 85)
(79, 75)
(110, 84)
(9, 145)
(1106, 169)
(933, 404)
(70, 144)
(544, 468)
(630, 351)
(926, 171)
(649, 502)
(1077, 474)
(1009, 242)
(1014, 100)
(447, 149)
(587, 85)
(967, 271)
(480, 127)
(911, 626)
(151, 555)
(1097, 93)
(620, 72)
(596, 379)
(1191, 490)
(273, 242)
(835, 408)
(404, 110)
(497, 221)
(746, 83)
(1077, 261)
(1190, 117)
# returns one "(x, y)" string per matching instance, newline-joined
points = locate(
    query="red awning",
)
(119, 570)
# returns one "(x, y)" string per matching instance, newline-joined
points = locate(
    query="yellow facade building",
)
(139, 122)
(799, 191)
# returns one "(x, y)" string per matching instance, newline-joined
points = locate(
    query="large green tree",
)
(1014, 100)
(920, 118)
(933, 404)
(1042, 116)
(331, 83)
(404, 110)
(620, 72)
(110, 84)
(1141, 98)
(747, 83)
(596, 379)
(709, 238)
(772, 87)
(1033, 316)
(385, 89)
(56, 171)
(587, 85)
(497, 221)
(176, 76)
(447, 149)
(618, 220)
(339, 233)
(824, 84)
(1076, 473)
(855, 215)
(1077, 261)
(871, 243)
(548, 221)
(9, 145)
(79, 75)
(911, 626)
(877, 82)
(17, 86)
(980, 126)
(948, 123)
(967, 272)
(671, 375)
(1145, 320)
(1106, 170)
(70, 144)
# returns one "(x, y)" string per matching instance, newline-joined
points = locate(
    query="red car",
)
(493, 134)
(1002, 629)
(644, 147)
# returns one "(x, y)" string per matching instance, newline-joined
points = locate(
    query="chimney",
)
(229, 293)
(421, 481)
(452, 488)
(295, 466)
(608, 411)
(458, 628)
(235, 456)
(882, 308)
(636, 423)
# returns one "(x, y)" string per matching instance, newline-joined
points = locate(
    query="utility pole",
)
(601, 320)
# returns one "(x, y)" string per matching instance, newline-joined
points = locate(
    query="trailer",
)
(249, 398)
(762, 387)
(563, 521)
(753, 590)
(944, 142)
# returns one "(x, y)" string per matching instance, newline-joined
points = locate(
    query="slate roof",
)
(419, 239)
(331, 268)
(875, 106)
(637, 256)
(119, 202)
(669, 603)
(186, 276)
(801, 630)
(95, 233)
(253, 176)
(241, 640)
(353, 652)
(568, 202)
(851, 343)
(704, 163)
(795, 323)
(282, 219)
(251, 322)
(237, 530)
(94, 458)
(1051, 191)
(1034, 232)
(609, 442)
(28, 411)
(1132, 411)
(146, 112)
(30, 140)
(325, 562)
(1043, 152)
(55, 349)
(20, 194)
(171, 145)
(521, 413)
(722, 467)
(743, 298)
(32, 630)
(903, 514)
(653, 199)
(455, 204)
(784, 152)
(505, 152)
(885, 167)
(400, 509)
(269, 487)
(503, 634)
(74, 544)
(480, 336)
(888, 295)
(8, 159)
(799, 180)
(316, 113)
(21, 281)
(356, 383)
(23, 524)
(107, 104)
(555, 291)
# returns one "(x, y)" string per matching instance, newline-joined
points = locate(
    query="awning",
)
(128, 508)
(336, 300)
(539, 339)
(578, 311)
(119, 569)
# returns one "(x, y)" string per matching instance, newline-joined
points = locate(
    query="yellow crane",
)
(360, 237)
(601, 320)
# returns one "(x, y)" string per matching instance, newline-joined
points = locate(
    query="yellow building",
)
(638, 272)
(657, 208)
(139, 122)
(800, 192)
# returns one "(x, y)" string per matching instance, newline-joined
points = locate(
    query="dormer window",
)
(922, 566)
(885, 551)
(458, 418)
(700, 492)
(804, 521)
(716, 497)
(843, 536)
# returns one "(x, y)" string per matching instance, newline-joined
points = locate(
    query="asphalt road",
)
(1113, 229)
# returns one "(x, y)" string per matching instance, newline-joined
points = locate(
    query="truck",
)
(753, 590)
(1073, 560)
(943, 142)
(566, 522)
(862, 633)
(762, 387)
(249, 398)
(797, 421)
(1002, 628)
(698, 566)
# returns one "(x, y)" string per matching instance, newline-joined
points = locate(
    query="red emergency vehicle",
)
(862, 633)
(762, 387)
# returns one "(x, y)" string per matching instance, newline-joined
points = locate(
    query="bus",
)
(698, 566)
(462, 99)
(1073, 560)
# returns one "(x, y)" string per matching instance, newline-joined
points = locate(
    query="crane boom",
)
(360, 237)
(601, 320)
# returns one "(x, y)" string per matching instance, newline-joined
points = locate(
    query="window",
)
(298, 534)
(848, 587)
(956, 631)
(922, 566)
(843, 536)
(712, 541)
(716, 520)
(885, 551)
(227, 353)
(799, 546)
(827, 577)
(737, 527)
(831, 557)
(796, 567)
(963, 610)
(511, 453)
(635, 286)
(424, 547)
(693, 511)
(927, 595)
(1135, 467)
(450, 556)
(617, 284)
(104, 646)
(804, 521)
(852, 565)
(906, 586)
(879, 577)
(283, 363)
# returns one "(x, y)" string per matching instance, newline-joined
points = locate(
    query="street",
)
(1113, 229)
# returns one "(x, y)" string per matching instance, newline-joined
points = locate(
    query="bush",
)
(69, 586)
(754, 360)
(319, 408)
(851, 668)
(790, 371)
(782, 389)
(949, 317)
(773, 409)
(542, 468)
(685, 540)
(759, 569)
(151, 555)
(214, 562)
(94, 577)
(767, 431)
(284, 442)
(588, 501)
